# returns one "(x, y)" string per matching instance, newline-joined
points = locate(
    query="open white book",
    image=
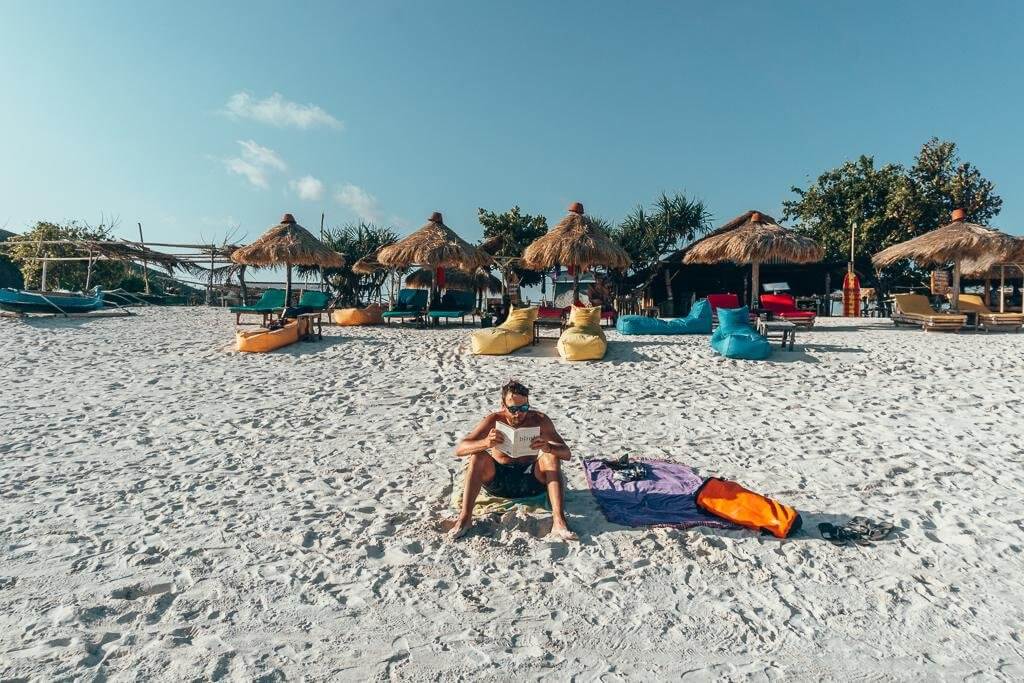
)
(516, 443)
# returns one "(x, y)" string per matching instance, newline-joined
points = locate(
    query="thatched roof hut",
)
(435, 245)
(288, 244)
(968, 246)
(753, 238)
(575, 242)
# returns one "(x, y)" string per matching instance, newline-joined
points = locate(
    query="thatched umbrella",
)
(577, 243)
(367, 265)
(958, 242)
(751, 239)
(433, 246)
(291, 244)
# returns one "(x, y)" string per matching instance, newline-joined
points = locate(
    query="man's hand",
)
(493, 438)
(539, 443)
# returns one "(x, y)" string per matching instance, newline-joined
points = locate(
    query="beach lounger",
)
(988, 319)
(783, 307)
(914, 309)
(697, 322)
(583, 339)
(717, 301)
(454, 304)
(313, 301)
(410, 304)
(271, 302)
(515, 333)
(735, 338)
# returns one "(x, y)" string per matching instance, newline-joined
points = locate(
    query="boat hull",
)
(20, 301)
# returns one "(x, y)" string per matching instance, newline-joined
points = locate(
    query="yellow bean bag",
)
(261, 341)
(371, 315)
(515, 333)
(583, 339)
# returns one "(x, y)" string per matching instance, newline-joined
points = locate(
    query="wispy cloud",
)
(361, 202)
(308, 187)
(255, 163)
(277, 111)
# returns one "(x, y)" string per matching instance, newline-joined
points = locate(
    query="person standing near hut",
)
(506, 477)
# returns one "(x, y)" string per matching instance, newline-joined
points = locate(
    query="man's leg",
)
(548, 471)
(479, 472)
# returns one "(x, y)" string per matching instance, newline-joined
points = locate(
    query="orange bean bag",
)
(729, 500)
(371, 315)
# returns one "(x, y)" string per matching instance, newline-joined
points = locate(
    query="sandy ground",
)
(170, 509)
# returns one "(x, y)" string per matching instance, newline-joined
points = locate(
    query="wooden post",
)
(288, 284)
(323, 285)
(42, 283)
(988, 291)
(145, 263)
(1002, 284)
(955, 298)
(755, 283)
(209, 279)
(88, 272)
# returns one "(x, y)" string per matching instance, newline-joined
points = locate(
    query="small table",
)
(546, 323)
(782, 328)
(306, 323)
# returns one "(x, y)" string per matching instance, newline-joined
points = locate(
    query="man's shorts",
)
(514, 481)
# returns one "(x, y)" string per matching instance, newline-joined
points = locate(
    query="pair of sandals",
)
(858, 531)
(623, 470)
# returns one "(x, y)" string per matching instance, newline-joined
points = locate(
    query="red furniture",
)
(551, 313)
(722, 301)
(783, 306)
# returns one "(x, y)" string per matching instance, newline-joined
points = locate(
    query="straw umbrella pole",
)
(290, 244)
(958, 242)
(433, 246)
(578, 243)
(752, 239)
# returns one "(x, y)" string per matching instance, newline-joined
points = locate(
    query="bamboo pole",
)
(88, 272)
(955, 298)
(1002, 286)
(145, 263)
(755, 283)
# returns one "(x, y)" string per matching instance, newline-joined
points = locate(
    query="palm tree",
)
(355, 241)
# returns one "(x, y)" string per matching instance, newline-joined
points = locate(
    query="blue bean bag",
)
(697, 322)
(735, 338)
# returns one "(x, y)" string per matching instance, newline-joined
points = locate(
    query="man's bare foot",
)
(561, 532)
(459, 529)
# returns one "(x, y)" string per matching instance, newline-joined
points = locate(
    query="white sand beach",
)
(173, 510)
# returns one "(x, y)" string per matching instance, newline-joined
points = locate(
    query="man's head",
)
(515, 401)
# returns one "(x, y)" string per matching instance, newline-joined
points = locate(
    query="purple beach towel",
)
(664, 498)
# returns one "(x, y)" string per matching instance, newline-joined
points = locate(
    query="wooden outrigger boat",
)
(21, 301)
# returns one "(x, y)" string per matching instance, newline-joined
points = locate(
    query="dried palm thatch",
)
(432, 246)
(575, 242)
(478, 280)
(968, 246)
(288, 244)
(367, 265)
(753, 238)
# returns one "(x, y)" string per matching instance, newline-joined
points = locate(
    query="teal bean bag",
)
(735, 338)
(697, 322)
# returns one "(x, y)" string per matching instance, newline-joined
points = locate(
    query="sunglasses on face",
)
(525, 408)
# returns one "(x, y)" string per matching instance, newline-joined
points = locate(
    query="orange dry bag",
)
(729, 500)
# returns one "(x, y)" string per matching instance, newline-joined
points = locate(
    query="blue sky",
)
(194, 117)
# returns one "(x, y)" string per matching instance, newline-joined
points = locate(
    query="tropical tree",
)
(882, 206)
(649, 234)
(355, 241)
(70, 275)
(509, 233)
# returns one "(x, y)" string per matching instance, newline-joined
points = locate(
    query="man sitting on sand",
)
(506, 477)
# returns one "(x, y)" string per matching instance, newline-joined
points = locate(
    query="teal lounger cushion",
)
(735, 338)
(697, 322)
(271, 300)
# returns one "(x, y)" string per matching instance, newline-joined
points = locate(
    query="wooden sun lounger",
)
(914, 309)
(988, 319)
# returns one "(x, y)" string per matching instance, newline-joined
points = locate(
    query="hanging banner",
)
(851, 295)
